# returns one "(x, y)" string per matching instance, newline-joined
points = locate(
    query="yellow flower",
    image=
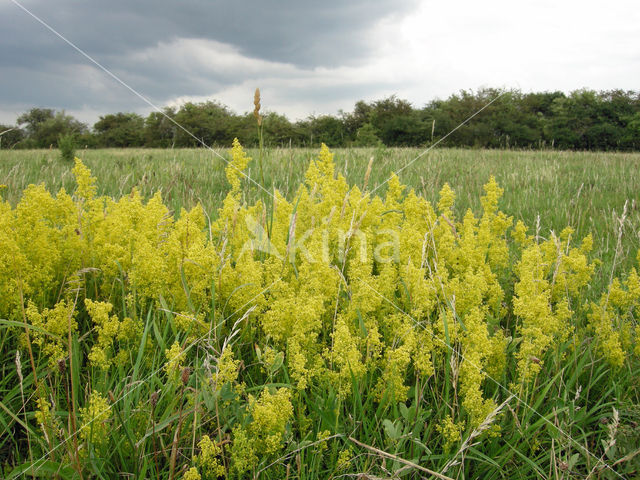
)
(264, 435)
(208, 459)
(175, 357)
(447, 199)
(451, 432)
(227, 368)
(235, 168)
(56, 322)
(95, 417)
(43, 413)
(86, 183)
(344, 458)
(191, 474)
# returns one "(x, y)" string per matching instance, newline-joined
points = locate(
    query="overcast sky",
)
(307, 56)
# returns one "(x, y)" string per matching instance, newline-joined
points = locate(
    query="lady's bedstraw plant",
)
(335, 294)
(613, 320)
(552, 274)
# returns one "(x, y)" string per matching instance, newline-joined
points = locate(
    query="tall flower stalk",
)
(258, 117)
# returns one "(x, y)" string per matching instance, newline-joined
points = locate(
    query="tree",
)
(405, 130)
(208, 123)
(34, 118)
(10, 136)
(486, 118)
(159, 130)
(353, 121)
(366, 137)
(120, 130)
(277, 129)
(632, 132)
(327, 129)
(384, 115)
(44, 126)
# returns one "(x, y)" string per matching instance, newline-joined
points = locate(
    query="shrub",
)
(67, 147)
(366, 137)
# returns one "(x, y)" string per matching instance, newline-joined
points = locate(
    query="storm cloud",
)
(168, 49)
(308, 57)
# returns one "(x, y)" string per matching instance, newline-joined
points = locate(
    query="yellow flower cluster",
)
(227, 368)
(175, 359)
(551, 275)
(336, 286)
(344, 459)
(95, 417)
(43, 413)
(52, 327)
(613, 320)
(192, 474)
(208, 462)
(451, 432)
(269, 416)
(110, 329)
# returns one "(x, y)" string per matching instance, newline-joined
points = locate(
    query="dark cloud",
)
(38, 68)
(307, 56)
(305, 33)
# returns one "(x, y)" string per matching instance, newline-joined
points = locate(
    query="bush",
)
(67, 147)
(366, 137)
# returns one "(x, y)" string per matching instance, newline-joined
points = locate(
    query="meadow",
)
(168, 318)
(585, 190)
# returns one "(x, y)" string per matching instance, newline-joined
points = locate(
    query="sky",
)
(308, 57)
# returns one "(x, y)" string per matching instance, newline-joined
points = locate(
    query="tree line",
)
(581, 120)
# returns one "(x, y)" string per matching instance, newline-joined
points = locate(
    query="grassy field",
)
(138, 341)
(587, 191)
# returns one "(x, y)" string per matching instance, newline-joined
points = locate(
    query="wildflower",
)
(344, 458)
(236, 167)
(227, 368)
(451, 432)
(193, 324)
(447, 198)
(43, 413)
(322, 439)
(95, 417)
(173, 367)
(612, 318)
(86, 183)
(191, 474)
(208, 459)
(264, 435)
(107, 326)
(57, 322)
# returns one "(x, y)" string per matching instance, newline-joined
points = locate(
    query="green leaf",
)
(404, 411)
(390, 429)
(11, 323)
(277, 363)
(44, 469)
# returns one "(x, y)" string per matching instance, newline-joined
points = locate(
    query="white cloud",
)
(530, 45)
(285, 88)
